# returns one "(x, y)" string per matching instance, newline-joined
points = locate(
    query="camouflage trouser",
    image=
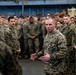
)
(33, 45)
(71, 61)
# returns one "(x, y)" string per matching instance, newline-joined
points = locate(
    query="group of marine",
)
(23, 36)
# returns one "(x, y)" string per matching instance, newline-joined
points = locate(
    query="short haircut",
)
(56, 14)
(50, 19)
(11, 17)
(61, 15)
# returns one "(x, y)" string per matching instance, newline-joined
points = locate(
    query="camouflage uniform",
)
(64, 29)
(69, 31)
(18, 30)
(71, 52)
(55, 45)
(32, 30)
(8, 64)
(25, 41)
(42, 34)
(2, 33)
(20, 35)
(11, 39)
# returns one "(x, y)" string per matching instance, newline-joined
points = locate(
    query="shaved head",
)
(49, 20)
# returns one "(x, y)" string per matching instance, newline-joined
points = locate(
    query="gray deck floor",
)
(31, 67)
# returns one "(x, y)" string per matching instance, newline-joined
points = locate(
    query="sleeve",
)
(11, 41)
(25, 31)
(38, 29)
(61, 49)
(7, 38)
(41, 53)
(74, 37)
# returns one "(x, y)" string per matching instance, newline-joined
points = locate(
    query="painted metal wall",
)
(34, 7)
(33, 10)
(36, 2)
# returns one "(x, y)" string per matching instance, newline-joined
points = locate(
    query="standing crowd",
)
(50, 37)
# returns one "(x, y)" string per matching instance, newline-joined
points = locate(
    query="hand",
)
(18, 51)
(32, 37)
(33, 56)
(45, 58)
(18, 37)
(74, 47)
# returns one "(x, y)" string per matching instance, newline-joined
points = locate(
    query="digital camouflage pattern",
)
(18, 30)
(69, 30)
(2, 33)
(8, 64)
(11, 39)
(55, 45)
(32, 29)
(71, 51)
(73, 32)
(64, 29)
